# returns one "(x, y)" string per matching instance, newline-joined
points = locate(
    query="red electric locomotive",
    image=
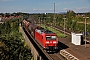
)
(47, 39)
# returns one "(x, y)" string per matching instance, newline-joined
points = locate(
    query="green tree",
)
(13, 43)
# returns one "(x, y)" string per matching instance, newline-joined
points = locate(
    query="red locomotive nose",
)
(51, 43)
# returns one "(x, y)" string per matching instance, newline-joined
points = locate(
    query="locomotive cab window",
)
(50, 37)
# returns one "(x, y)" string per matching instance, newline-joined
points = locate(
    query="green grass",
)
(59, 34)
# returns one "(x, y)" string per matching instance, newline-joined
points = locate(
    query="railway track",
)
(43, 53)
(64, 54)
(56, 56)
(68, 33)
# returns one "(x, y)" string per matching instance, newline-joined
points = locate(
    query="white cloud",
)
(42, 9)
(69, 2)
(5, 0)
(65, 9)
(34, 9)
(38, 9)
(82, 9)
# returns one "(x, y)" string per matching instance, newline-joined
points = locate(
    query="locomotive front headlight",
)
(47, 42)
(54, 42)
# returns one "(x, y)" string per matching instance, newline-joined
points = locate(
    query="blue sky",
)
(44, 6)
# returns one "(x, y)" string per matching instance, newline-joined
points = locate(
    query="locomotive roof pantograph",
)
(42, 30)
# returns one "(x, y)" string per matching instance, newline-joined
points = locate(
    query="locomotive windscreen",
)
(50, 37)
